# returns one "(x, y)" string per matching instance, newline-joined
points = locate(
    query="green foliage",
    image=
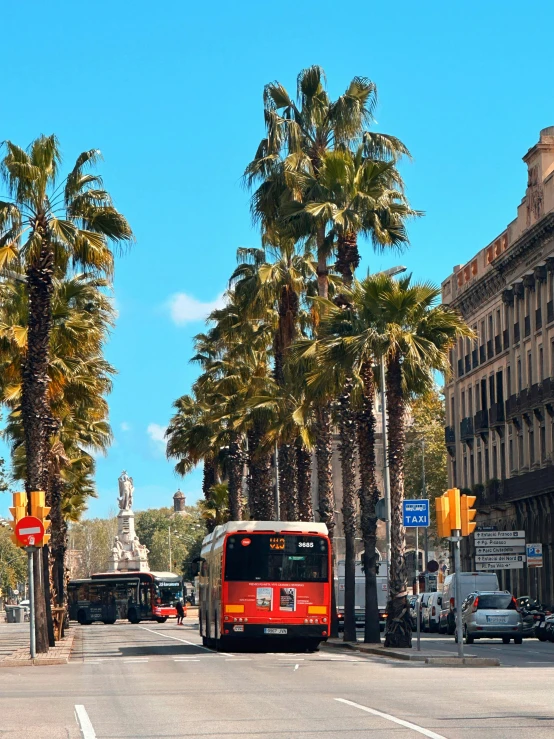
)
(90, 544)
(187, 531)
(425, 437)
(13, 562)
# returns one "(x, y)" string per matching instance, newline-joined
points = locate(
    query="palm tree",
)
(79, 377)
(215, 509)
(401, 321)
(46, 225)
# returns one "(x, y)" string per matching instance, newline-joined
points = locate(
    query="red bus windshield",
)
(276, 558)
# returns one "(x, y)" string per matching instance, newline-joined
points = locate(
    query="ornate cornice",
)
(492, 283)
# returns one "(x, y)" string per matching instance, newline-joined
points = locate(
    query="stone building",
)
(500, 401)
(179, 503)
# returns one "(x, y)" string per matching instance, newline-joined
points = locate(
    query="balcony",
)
(482, 354)
(497, 417)
(550, 311)
(497, 344)
(513, 407)
(548, 389)
(474, 359)
(516, 333)
(460, 367)
(527, 326)
(490, 351)
(481, 422)
(538, 319)
(466, 429)
(506, 338)
(449, 436)
(535, 396)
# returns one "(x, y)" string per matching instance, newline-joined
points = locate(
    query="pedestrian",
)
(180, 613)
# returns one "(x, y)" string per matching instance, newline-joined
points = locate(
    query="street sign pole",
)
(33, 649)
(418, 608)
(456, 538)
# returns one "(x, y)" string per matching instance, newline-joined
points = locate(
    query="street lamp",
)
(391, 272)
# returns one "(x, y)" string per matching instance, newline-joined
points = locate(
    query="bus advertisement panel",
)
(266, 580)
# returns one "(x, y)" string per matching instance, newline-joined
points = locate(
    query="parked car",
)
(423, 605)
(470, 582)
(491, 615)
(431, 616)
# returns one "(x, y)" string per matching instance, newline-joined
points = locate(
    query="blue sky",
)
(172, 95)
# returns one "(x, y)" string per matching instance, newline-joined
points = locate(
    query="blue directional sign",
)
(416, 513)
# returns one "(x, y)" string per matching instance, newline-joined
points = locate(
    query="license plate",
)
(542, 625)
(238, 628)
(497, 619)
(275, 631)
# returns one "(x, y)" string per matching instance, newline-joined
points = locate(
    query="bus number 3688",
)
(305, 544)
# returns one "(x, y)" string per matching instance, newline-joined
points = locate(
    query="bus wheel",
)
(109, 621)
(310, 645)
(82, 618)
(162, 619)
(133, 616)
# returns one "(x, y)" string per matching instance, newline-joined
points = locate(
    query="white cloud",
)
(185, 308)
(125, 426)
(157, 433)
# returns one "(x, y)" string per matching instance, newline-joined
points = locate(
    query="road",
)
(157, 681)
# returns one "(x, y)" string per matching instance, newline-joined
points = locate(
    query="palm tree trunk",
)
(208, 481)
(261, 499)
(348, 257)
(59, 543)
(399, 621)
(322, 271)
(368, 494)
(35, 407)
(235, 480)
(347, 448)
(288, 483)
(304, 475)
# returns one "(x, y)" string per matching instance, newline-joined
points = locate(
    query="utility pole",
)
(277, 492)
(169, 569)
(386, 478)
(424, 495)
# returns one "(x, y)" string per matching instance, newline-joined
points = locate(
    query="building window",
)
(531, 447)
(471, 470)
(452, 411)
(541, 365)
(502, 461)
(543, 442)
(529, 369)
(479, 467)
(470, 400)
(463, 404)
(465, 471)
(498, 323)
(519, 378)
(487, 464)
(494, 463)
(508, 380)
(521, 454)
(511, 454)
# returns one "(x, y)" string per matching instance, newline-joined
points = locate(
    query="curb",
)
(61, 655)
(440, 660)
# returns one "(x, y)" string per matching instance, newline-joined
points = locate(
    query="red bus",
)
(265, 580)
(145, 596)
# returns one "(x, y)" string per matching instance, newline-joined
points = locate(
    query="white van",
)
(431, 617)
(470, 583)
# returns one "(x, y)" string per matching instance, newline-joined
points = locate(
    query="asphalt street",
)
(157, 681)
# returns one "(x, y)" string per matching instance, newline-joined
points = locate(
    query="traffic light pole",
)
(456, 538)
(33, 648)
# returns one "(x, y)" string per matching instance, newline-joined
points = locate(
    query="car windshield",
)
(276, 558)
(502, 601)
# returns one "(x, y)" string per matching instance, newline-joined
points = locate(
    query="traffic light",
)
(18, 511)
(442, 506)
(468, 514)
(39, 509)
(454, 500)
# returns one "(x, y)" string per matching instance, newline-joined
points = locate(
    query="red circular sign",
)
(29, 531)
(246, 542)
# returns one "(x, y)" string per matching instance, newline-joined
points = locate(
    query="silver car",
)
(491, 615)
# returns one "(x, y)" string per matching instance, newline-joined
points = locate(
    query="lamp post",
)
(386, 478)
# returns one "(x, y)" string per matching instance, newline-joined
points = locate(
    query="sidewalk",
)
(14, 648)
(430, 657)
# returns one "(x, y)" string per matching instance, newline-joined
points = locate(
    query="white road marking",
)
(186, 659)
(388, 717)
(136, 659)
(239, 659)
(83, 721)
(185, 641)
(296, 667)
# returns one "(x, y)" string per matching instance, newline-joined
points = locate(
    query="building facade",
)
(500, 400)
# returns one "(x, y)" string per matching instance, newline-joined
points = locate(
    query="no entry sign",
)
(29, 531)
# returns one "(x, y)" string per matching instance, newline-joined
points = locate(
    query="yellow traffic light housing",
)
(18, 511)
(442, 507)
(468, 514)
(39, 509)
(455, 517)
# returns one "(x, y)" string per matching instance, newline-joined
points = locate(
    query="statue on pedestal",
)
(127, 554)
(126, 490)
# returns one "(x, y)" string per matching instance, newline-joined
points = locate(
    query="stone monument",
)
(128, 554)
